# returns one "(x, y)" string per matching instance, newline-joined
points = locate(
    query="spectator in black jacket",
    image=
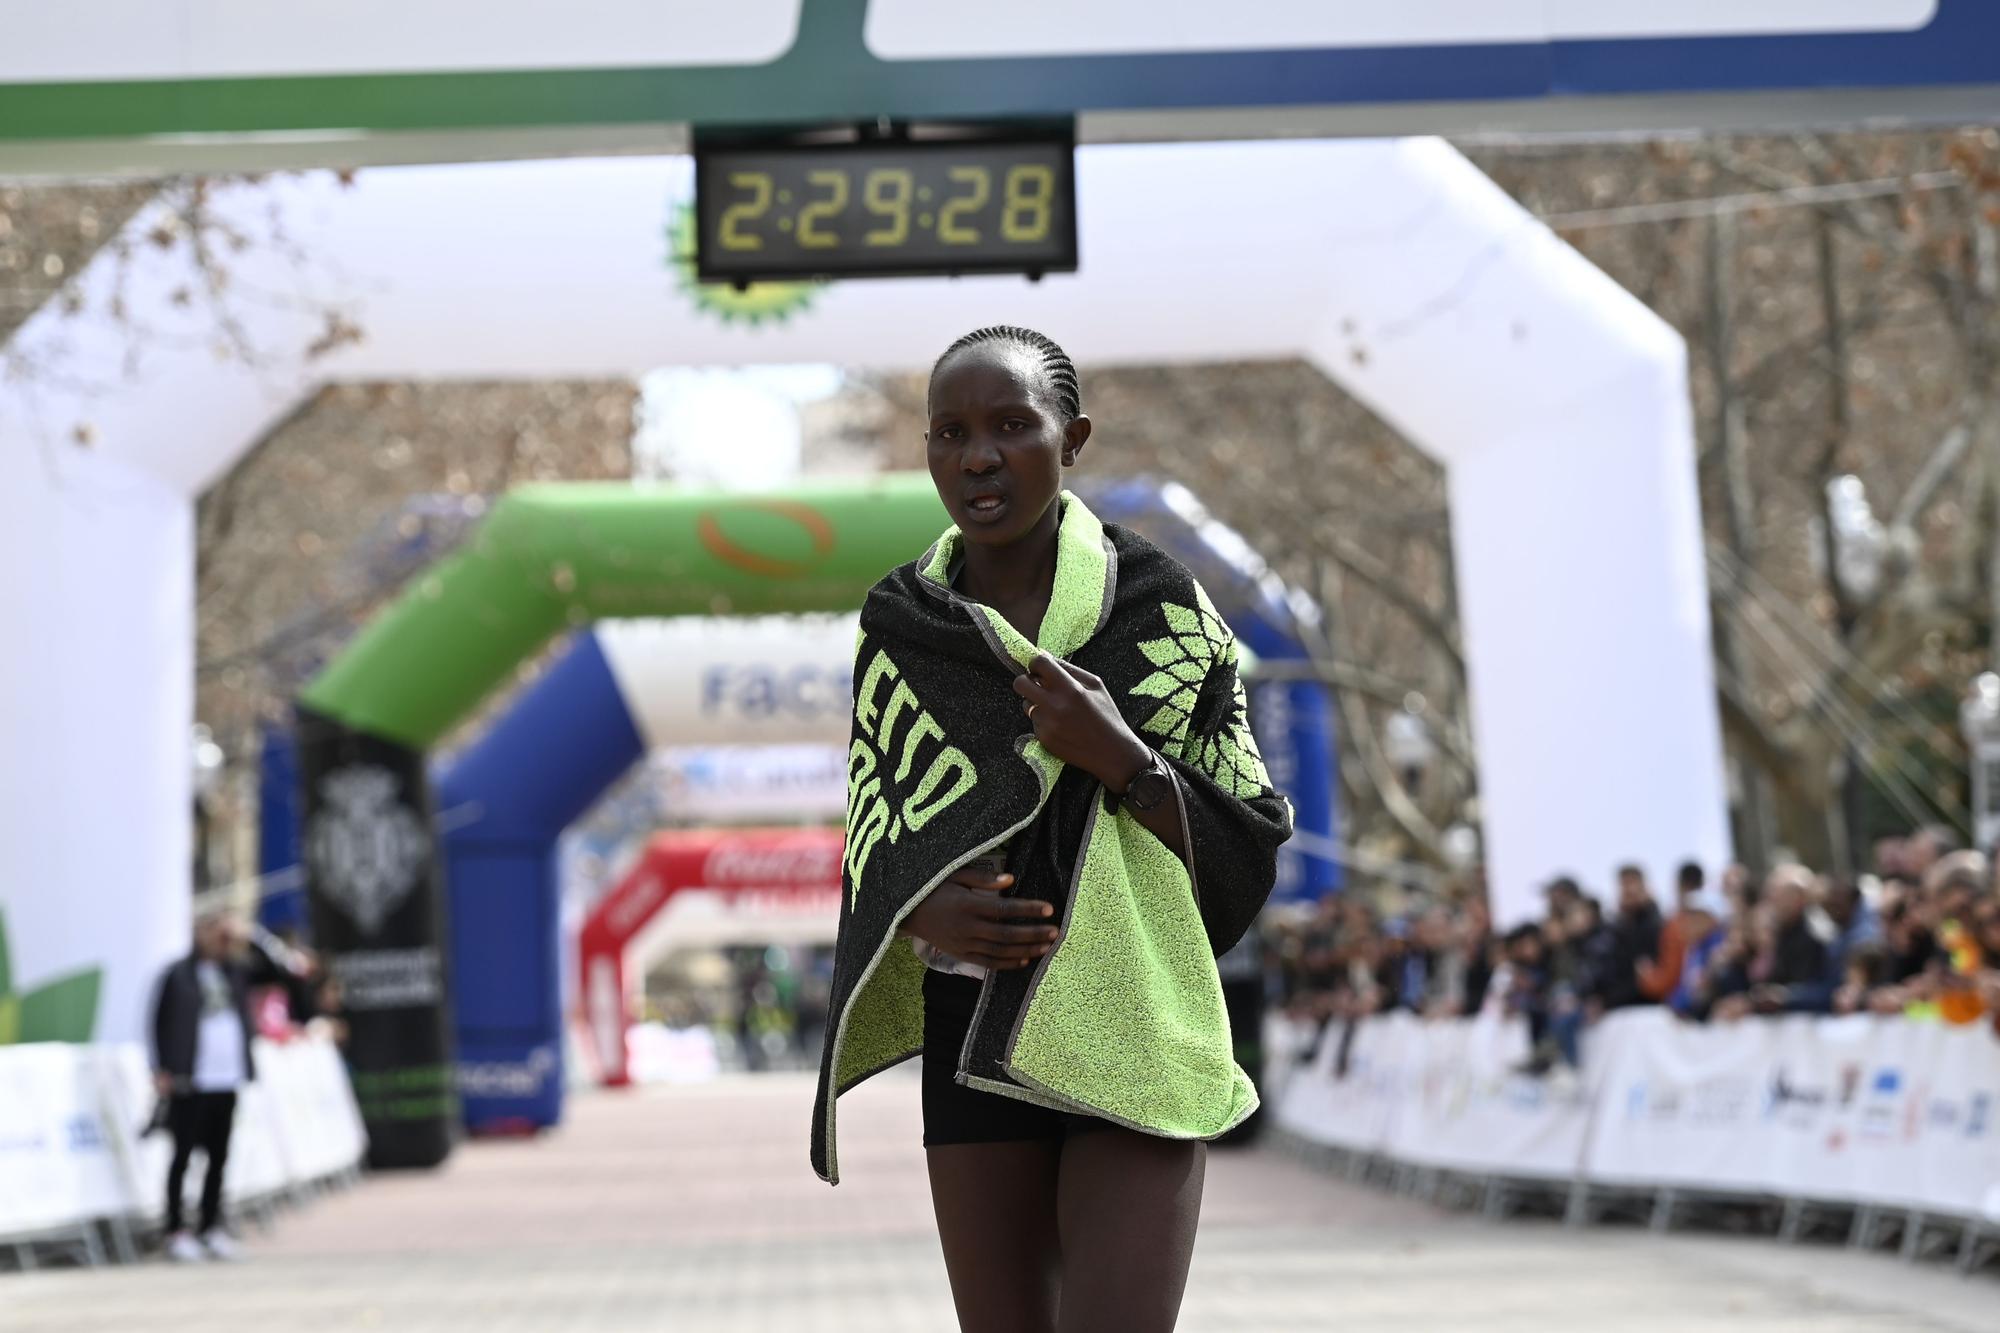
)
(1793, 972)
(1522, 988)
(201, 1057)
(1599, 966)
(1636, 940)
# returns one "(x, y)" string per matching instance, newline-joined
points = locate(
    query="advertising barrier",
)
(71, 1146)
(1880, 1112)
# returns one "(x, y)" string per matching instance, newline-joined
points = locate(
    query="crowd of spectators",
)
(1920, 936)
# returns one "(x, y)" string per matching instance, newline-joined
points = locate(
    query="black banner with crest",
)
(374, 889)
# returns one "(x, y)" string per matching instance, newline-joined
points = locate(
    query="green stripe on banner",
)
(552, 556)
(828, 73)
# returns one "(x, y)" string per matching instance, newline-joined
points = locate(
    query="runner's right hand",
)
(967, 917)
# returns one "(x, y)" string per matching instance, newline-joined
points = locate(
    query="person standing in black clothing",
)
(201, 1058)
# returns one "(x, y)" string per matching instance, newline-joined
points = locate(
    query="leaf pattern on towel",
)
(1201, 715)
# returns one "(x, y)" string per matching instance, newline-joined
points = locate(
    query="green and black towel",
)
(1125, 1018)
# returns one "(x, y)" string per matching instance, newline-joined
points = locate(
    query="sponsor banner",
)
(1888, 1112)
(57, 1159)
(71, 1118)
(1958, 1126)
(129, 1099)
(963, 29)
(1682, 1105)
(1465, 1107)
(257, 1165)
(1892, 1113)
(373, 893)
(1349, 1095)
(735, 680)
(203, 39)
(737, 784)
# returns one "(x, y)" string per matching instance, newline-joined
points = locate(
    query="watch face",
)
(1149, 789)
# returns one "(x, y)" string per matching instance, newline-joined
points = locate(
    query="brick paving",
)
(693, 1209)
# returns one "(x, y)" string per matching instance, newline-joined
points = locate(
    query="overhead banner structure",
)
(1394, 266)
(242, 83)
(701, 887)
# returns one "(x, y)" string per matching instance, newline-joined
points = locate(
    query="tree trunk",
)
(1753, 808)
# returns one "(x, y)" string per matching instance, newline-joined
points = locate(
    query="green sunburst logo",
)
(758, 303)
(1202, 716)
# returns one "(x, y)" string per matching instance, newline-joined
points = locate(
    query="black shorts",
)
(954, 1113)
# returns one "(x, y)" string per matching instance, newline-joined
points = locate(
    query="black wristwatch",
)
(1152, 786)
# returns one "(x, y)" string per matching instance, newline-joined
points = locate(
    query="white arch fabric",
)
(1557, 401)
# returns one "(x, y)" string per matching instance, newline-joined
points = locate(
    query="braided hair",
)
(1056, 364)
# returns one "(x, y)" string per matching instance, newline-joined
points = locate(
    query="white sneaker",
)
(183, 1248)
(221, 1245)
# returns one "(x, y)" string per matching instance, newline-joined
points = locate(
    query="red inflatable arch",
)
(723, 885)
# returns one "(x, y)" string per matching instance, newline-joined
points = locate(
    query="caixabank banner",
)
(374, 894)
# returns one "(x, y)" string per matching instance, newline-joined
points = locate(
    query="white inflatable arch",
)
(1556, 401)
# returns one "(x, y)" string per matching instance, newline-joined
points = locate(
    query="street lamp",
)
(208, 761)
(1460, 845)
(1407, 741)
(1856, 545)
(1979, 719)
(1860, 542)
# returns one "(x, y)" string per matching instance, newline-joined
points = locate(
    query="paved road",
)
(693, 1209)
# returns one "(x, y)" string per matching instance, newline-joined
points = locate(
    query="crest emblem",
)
(367, 849)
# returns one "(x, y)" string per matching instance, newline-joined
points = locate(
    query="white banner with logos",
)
(57, 1163)
(735, 680)
(1438, 1095)
(72, 1117)
(734, 784)
(1863, 1110)
(1852, 1110)
(1464, 1106)
(1348, 1094)
(212, 39)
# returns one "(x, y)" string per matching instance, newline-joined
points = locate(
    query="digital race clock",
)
(799, 208)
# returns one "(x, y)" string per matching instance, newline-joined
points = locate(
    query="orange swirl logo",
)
(730, 552)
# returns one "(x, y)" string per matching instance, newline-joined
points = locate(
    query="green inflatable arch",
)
(553, 556)
(545, 559)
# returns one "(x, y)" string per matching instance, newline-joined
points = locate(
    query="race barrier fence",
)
(77, 1169)
(1891, 1121)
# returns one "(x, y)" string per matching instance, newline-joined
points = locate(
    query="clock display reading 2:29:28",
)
(852, 210)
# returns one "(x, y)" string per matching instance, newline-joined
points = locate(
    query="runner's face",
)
(997, 444)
